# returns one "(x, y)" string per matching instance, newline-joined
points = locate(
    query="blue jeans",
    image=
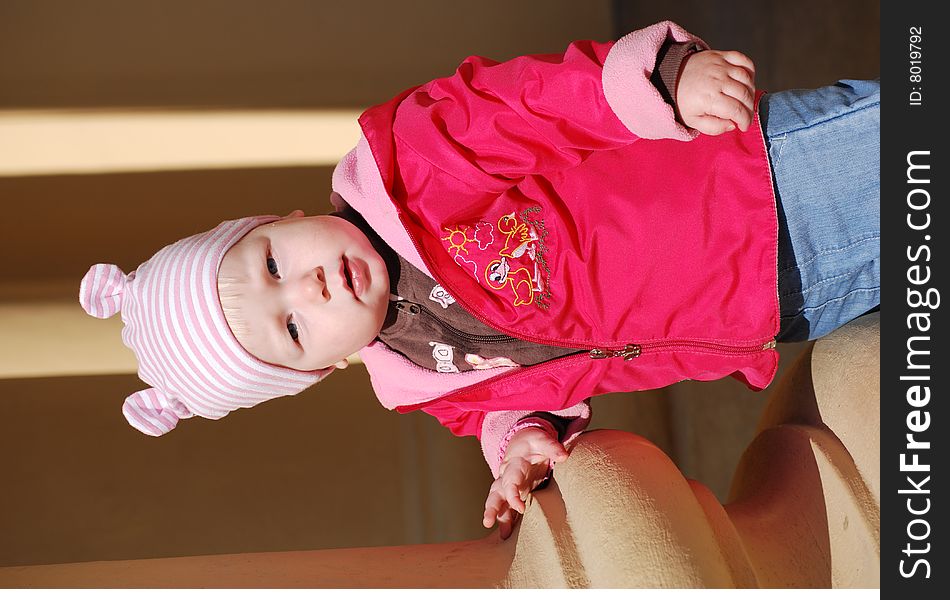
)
(824, 150)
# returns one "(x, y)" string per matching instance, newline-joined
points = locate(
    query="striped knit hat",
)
(176, 327)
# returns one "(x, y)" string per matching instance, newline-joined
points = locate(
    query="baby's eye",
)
(292, 329)
(272, 266)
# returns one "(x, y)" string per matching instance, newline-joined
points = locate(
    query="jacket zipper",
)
(627, 352)
(631, 351)
(413, 308)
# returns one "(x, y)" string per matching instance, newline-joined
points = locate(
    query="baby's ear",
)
(294, 214)
(337, 201)
(342, 364)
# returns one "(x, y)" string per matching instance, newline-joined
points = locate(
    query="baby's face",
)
(312, 291)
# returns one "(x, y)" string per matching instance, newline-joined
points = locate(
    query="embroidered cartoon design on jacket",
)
(520, 237)
(513, 262)
(458, 237)
(540, 253)
(498, 274)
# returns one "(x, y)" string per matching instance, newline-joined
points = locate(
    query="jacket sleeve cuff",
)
(529, 422)
(628, 89)
(668, 66)
(497, 429)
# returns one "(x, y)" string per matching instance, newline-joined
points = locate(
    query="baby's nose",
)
(313, 286)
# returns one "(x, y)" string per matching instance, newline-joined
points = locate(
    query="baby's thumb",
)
(711, 125)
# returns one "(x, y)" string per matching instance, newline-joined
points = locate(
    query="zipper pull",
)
(408, 307)
(768, 345)
(628, 352)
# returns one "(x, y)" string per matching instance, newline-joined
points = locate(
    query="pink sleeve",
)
(627, 86)
(459, 422)
(498, 426)
(491, 122)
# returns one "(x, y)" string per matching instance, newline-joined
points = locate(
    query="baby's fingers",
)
(742, 76)
(512, 493)
(495, 504)
(743, 94)
(726, 107)
(711, 125)
(488, 519)
(739, 59)
(498, 508)
(506, 523)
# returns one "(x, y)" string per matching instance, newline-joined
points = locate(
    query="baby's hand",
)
(716, 91)
(527, 460)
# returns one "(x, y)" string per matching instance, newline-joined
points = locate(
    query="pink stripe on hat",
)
(100, 293)
(176, 327)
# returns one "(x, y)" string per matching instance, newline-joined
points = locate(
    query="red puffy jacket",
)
(525, 190)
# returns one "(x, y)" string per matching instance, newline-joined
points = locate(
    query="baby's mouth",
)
(355, 277)
(348, 278)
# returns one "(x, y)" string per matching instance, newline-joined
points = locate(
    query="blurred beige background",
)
(127, 125)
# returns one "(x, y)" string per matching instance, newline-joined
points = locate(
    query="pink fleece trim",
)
(627, 86)
(398, 381)
(357, 178)
(524, 424)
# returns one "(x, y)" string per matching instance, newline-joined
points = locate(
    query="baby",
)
(518, 237)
